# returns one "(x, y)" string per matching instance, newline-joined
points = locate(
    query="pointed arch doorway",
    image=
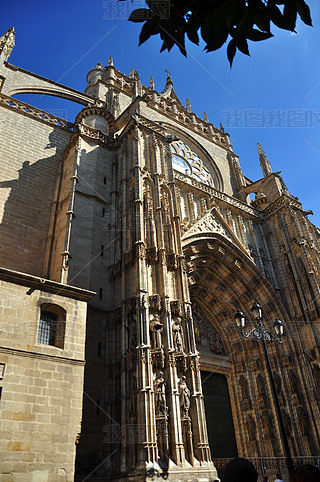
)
(220, 426)
(222, 277)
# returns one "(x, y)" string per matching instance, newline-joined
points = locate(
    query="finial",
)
(221, 127)
(151, 83)
(7, 43)
(110, 61)
(188, 105)
(99, 66)
(169, 79)
(131, 75)
(264, 163)
(136, 75)
(205, 117)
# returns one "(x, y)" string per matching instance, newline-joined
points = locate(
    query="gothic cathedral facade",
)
(128, 242)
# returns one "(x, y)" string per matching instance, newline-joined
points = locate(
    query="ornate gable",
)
(213, 223)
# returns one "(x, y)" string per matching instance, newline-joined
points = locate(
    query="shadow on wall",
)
(26, 207)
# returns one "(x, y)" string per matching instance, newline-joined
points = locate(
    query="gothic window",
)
(52, 326)
(183, 205)
(188, 162)
(195, 208)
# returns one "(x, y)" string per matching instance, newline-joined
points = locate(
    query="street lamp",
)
(260, 333)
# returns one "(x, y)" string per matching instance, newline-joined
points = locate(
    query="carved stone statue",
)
(251, 427)
(287, 423)
(303, 421)
(293, 382)
(267, 425)
(177, 335)
(243, 384)
(261, 387)
(160, 395)
(184, 396)
(132, 334)
(156, 329)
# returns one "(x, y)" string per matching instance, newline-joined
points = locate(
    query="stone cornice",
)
(43, 284)
(41, 356)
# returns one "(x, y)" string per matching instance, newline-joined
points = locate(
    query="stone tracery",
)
(188, 162)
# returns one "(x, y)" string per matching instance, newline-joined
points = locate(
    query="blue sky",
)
(271, 97)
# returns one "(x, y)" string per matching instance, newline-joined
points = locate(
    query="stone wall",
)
(30, 151)
(42, 385)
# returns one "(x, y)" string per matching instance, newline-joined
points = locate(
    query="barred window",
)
(52, 325)
(47, 328)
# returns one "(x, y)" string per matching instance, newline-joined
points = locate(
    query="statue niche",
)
(244, 390)
(160, 395)
(177, 333)
(156, 328)
(149, 224)
(184, 397)
(251, 428)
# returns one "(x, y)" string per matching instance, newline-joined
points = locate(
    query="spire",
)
(151, 83)
(137, 87)
(264, 163)
(188, 104)
(205, 117)
(131, 74)
(169, 80)
(6, 44)
(110, 62)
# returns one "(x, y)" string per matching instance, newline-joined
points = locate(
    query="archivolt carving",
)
(204, 330)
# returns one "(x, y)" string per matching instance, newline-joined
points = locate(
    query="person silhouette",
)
(278, 477)
(306, 473)
(240, 470)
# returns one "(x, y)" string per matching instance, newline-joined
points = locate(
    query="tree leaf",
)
(192, 32)
(140, 15)
(256, 35)
(150, 27)
(259, 15)
(304, 12)
(168, 43)
(231, 51)
(243, 20)
(242, 44)
(214, 39)
(276, 17)
(290, 14)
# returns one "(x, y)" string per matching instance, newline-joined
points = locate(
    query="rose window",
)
(188, 162)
